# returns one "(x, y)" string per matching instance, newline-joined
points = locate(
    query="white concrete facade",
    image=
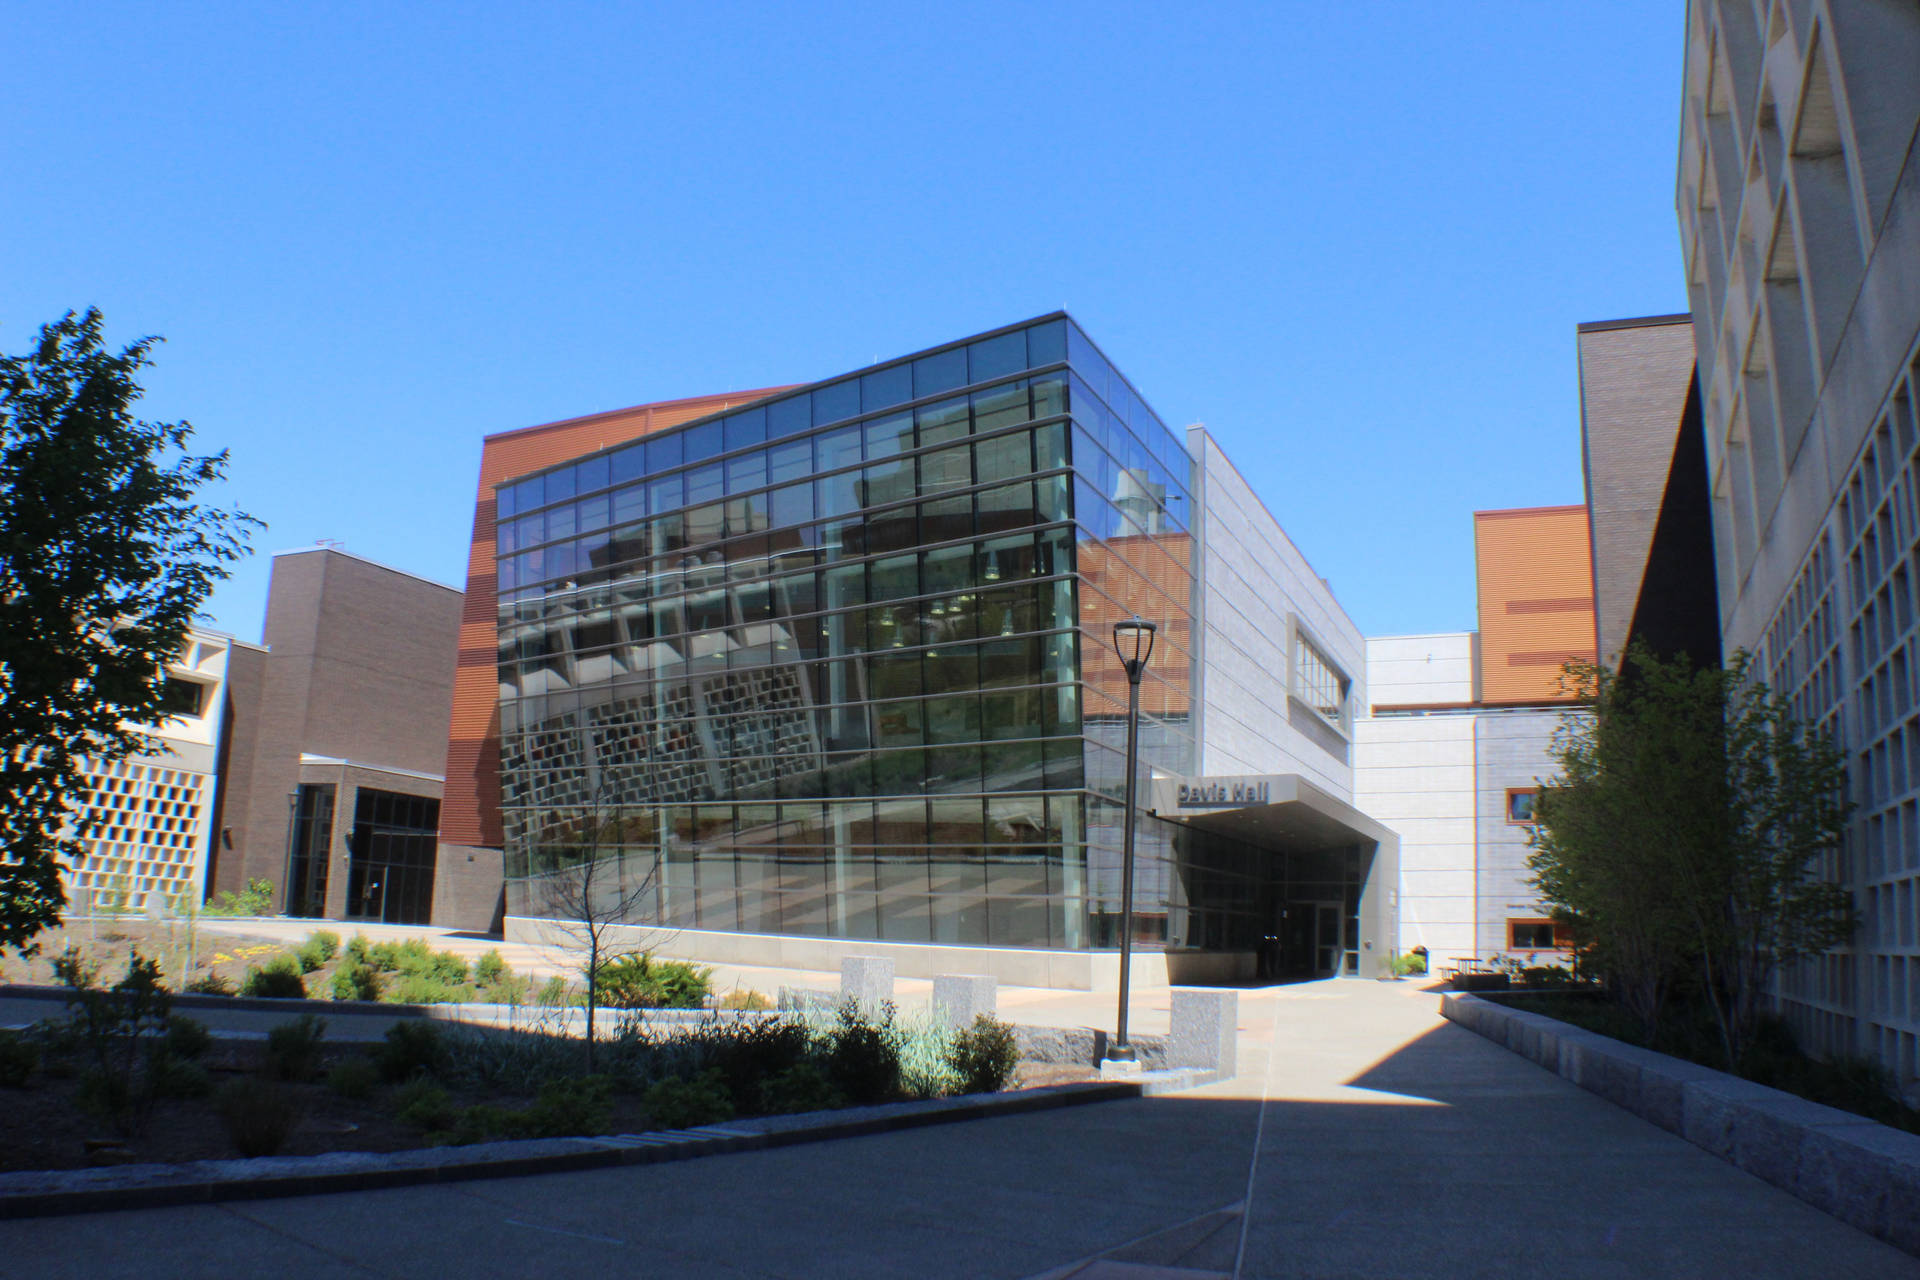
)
(1261, 602)
(1799, 204)
(150, 815)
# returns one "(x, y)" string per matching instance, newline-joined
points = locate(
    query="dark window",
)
(1047, 343)
(743, 429)
(311, 842)
(785, 417)
(992, 358)
(591, 474)
(841, 400)
(390, 856)
(702, 442)
(1520, 804)
(885, 388)
(1537, 935)
(183, 697)
(559, 485)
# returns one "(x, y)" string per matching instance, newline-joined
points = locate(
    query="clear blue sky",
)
(1354, 240)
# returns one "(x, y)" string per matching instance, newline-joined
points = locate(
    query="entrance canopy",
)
(1281, 810)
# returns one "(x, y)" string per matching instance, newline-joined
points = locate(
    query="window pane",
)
(591, 474)
(629, 463)
(992, 358)
(789, 461)
(504, 501)
(942, 371)
(943, 422)
(791, 505)
(885, 388)
(1047, 343)
(629, 504)
(1000, 407)
(743, 429)
(836, 402)
(890, 435)
(706, 483)
(703, 441)
(558, 485)
(747, 471)
(785, 417)
(946, 469)
(833, 449)
(664, 452)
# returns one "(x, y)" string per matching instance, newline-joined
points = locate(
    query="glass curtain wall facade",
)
(839, 663)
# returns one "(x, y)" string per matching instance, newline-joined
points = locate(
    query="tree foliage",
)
(1684, 836)
(106, 553)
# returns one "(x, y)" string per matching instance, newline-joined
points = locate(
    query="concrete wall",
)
(1416, 776)
(1510, 750)
(1425, 670)
(1256, 587)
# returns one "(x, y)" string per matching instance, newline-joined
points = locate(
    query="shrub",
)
(187, 1038)
(19, 1058)
(556, 993)
(863, 1059)
(321, 946)
(985, 1055)
(280, 979)
(425, 1105)
(357, 981)
(801, 1087)
(490, 968)
(675, 1103)
(171, 1077)
(354, 1078)
(1546, 975)
(424, 988)
(121, 1030)
(572, 1106)
(255, 900)
(293, 1048)
(413, 1047)
(641, 982)
(748, 999)
(1408, 965)
(210, 984)
(259, 1115)
(746, 1054)
(359, 950)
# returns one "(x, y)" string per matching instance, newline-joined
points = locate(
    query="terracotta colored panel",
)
(470, 808)
(1535, 570)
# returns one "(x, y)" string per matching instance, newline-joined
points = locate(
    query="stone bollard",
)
(802, 1000)
(959, 998)
(866, 981)
(1206, 1031)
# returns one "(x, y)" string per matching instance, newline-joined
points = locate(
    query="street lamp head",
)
(1133, 641)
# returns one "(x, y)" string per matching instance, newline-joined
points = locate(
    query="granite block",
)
(959, 998)
(866, 981)
(1205, 1029)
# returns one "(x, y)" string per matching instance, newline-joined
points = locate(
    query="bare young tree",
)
(595, 877)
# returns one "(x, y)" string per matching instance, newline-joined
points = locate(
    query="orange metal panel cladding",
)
(1535, 570)
(470, 810)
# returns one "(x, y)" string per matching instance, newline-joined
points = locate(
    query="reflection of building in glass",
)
(834, 663)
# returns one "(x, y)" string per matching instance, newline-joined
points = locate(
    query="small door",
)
(1326, 939)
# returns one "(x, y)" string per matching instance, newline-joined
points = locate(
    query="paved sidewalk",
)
(1365, 1137)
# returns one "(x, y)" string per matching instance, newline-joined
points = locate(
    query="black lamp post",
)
(1133, 641)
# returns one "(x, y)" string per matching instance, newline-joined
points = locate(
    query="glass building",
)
(838, 663)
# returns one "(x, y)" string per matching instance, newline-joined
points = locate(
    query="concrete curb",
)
(1862, 1172)
(148, 1186)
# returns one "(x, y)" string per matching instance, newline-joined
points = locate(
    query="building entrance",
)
(390, 857)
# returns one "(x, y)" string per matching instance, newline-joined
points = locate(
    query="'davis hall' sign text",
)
(1202, 795)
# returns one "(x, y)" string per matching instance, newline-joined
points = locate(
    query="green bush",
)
(676, 1103)
(255, 900)
(187, 1038)
(413, 1047)
(416, 958)
(259, 1115)
(425, 1105)
(321, 946)
(120, 1031)
(577, 1106)
(279, 979)
(801, 1087)
(641, 982)
(985, 1055)
(749, 1053)
(359, 950)
(19, 1059)
(357, 981)
(555, 993)
(490, 968)
(210, 984)
(863, 1057)
(424, 988)
(293, 1048)
(354, 1078)
(171, 1077)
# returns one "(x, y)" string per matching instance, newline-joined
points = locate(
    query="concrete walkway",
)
(1365, 1138)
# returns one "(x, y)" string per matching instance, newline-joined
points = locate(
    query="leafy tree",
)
(1686, 833)
(105, 555)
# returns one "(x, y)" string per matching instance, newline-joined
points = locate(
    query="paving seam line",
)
(1860, 1171)
(514, 1159)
